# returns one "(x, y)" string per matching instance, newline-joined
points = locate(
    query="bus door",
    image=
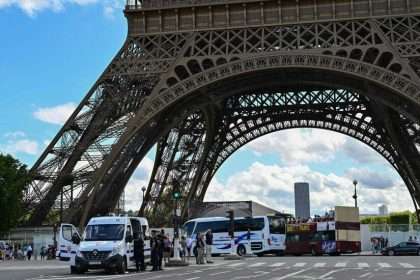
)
(277, 238)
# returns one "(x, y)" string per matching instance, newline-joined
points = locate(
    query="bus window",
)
(189, 227)
(277, 225)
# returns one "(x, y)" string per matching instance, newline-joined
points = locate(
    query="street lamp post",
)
(143, 189)
(355, 193)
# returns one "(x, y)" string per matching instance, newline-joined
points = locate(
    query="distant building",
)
(383, 210)
(302, 203)
(219, 208)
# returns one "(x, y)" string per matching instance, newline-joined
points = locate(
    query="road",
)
(270, 268)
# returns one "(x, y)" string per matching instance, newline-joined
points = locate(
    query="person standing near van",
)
(139, 252)
(209, 245)
(154, 252)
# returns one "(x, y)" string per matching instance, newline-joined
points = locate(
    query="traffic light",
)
(176, 192)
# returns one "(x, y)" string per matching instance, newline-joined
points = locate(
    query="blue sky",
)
(54, 50)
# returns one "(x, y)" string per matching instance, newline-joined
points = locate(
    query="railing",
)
(151, 4)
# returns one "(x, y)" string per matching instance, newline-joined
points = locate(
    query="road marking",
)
(299, 264)
(49, 267)
(384, 265)
(235, 264)
(319, 264)
(257, 264)
(340, 264)
(277, 264)
(193, 278)
(221, 272)
(363, 265)
(407, 265)
(365, 275)
(287, 276)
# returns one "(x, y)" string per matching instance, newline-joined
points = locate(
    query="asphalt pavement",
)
(270, 268)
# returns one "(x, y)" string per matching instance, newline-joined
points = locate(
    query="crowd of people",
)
(25, 252)
(162, 248)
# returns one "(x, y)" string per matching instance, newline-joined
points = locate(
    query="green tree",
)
(14, 177)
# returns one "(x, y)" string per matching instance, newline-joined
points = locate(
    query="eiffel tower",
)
(199, 79)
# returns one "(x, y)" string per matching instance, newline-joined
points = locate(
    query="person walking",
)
(209, 245)
(183, 252)
(29, 252)
(200, 249)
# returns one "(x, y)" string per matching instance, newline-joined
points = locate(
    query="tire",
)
(279, 254)
(313, 252)
(260, 255)
(391, 253)
(123, 267)
(418, 253)
(241, 250)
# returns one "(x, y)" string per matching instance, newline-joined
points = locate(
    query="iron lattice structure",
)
(202, 78)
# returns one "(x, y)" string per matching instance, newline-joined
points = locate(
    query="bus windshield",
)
(188, 228)
(110, 232)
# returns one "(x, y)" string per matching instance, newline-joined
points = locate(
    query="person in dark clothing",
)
(161, 248)
(209, 245)
(139, 252)
(154, 252)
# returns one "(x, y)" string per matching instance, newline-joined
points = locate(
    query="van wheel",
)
(123, 267)
(241, 250)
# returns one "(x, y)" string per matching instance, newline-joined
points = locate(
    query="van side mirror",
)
(129, 238)
(75, 239)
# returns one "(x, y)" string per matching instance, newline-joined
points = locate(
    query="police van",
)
(107, 243)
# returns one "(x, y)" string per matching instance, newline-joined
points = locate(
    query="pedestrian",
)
(166, 249)
(29, 252)
(139, 252)
(154, 252)
(161, 247)
(43, 253)
(200, 249)
(209, 245)
(183, 244)
(190, 242)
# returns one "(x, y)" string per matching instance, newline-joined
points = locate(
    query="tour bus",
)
(107, 243)
(267, 234)
(334, 234)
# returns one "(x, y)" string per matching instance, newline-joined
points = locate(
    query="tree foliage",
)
(14, 177)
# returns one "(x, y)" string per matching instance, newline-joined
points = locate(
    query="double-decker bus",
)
(268, 234)
(333, 235)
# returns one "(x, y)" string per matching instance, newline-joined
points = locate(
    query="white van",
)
(107, 243)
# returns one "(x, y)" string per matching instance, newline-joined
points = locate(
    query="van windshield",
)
(104, 232)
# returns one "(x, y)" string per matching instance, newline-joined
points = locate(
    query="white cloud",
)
(272, 185)
(17, 143)
(140, 178)
(55, 115)
(32, 7)
(300, 145)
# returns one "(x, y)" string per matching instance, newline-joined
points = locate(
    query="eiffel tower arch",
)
(199, 79)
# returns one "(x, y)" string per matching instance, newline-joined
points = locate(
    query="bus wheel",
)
(241, 250)
(313, 252)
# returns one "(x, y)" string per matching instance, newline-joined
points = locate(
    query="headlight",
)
(116, 251)
(79, 254)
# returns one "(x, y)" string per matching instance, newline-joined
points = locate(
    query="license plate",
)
(94, 263)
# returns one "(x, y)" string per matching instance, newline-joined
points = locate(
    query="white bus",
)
(268, 234)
